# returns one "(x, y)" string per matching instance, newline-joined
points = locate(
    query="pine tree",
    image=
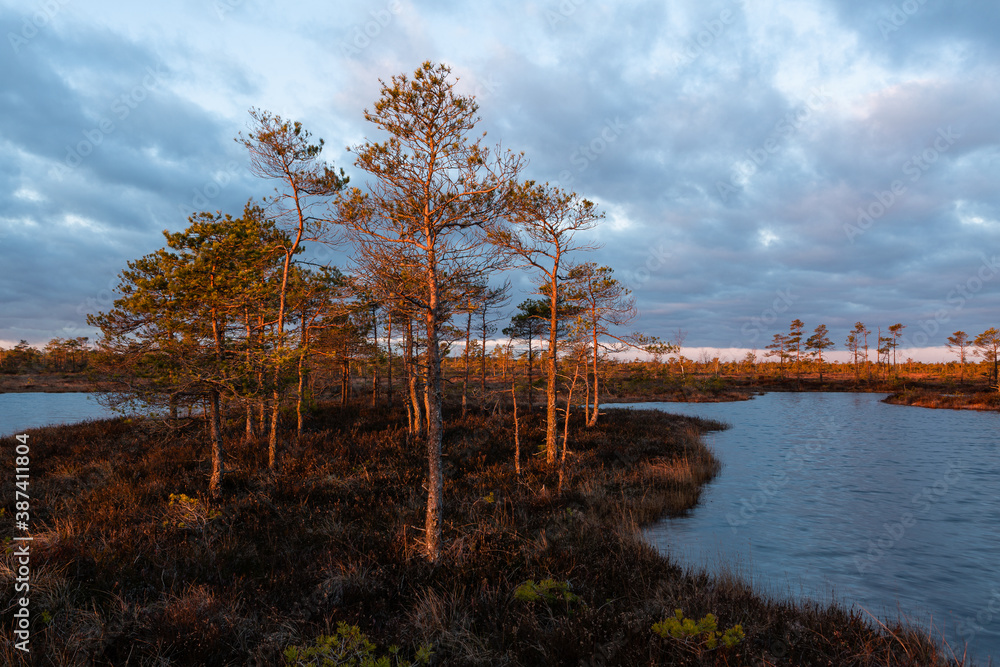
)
(547, 221)
(817, 343)
(432, 191)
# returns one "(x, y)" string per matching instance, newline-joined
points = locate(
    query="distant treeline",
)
(59, 355)
(873, 352)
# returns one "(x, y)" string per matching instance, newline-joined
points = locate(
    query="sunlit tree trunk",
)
(551, 423)
(345, 374)
(592, 420)
(465, 359)
(301, 396)
(435, 426)
(218, 452)
(482, 366)
(417, 425)
(388, 353)
(517, 428)
(569, 403)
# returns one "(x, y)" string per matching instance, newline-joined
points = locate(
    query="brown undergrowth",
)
(924, 398)
(133, 563)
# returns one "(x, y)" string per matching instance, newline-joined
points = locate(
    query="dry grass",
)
(925, 398)
(126, 578)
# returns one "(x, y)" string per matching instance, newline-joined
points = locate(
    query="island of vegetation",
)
(135, 562)
(321, 482)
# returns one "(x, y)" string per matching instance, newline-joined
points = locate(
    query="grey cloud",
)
(599, 96)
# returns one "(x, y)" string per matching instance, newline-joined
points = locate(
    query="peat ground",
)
(133, 563)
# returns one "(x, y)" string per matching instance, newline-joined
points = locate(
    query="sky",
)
(833, 161)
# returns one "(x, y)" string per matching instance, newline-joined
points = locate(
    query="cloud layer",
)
(829, 160)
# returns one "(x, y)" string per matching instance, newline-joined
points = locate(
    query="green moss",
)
(350, 648)
(548, 591)
(703, 634)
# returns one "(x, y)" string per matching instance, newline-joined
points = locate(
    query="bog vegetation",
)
(134, 562)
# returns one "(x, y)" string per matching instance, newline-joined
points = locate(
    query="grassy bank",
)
(132, 564)
(924, 392)
(927, 398)
(696, 388)
(47, 382)
(688, 388)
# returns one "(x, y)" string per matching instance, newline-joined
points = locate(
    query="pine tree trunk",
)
(407, 384)
(569, 401)
(250, 426)
(482, 367)
(388, 370)
(345, 377)
(303, 372)
(551, 418)
(218, 465)
(272, 438)
(531, 375)
(418, 425)
(517, 432)
(465, 379)
(435, 430)
(597, 400)
(301, 396)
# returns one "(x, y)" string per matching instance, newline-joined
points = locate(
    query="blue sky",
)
(830, 160)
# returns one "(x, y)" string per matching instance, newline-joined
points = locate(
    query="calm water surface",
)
(838, 496)
(31, 410)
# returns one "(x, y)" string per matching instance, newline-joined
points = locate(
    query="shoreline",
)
(940, 399)
(979, 401)
(47, 383)
(694, 389)
(121, 506)
(918, 394)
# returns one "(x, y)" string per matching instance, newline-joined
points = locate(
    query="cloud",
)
(741, 154)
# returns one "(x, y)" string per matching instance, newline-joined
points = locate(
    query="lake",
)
(822, 495)
(20, 411)
(837, 496)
